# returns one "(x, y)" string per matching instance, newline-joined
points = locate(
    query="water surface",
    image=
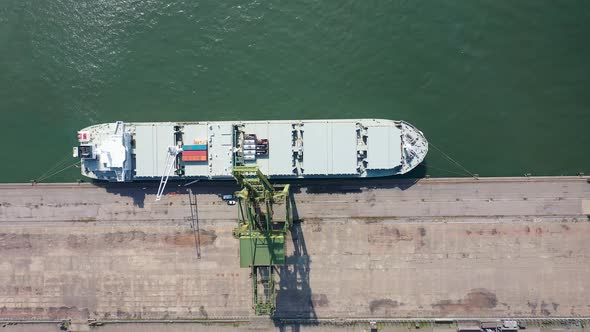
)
(500, 86)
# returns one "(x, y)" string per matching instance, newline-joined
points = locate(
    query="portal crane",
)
(264, 218)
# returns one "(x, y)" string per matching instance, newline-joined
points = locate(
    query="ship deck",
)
(365, 249)
(288, 149)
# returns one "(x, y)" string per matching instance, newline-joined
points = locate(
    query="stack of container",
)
(194, 152)
(262, 147)
(250, 148)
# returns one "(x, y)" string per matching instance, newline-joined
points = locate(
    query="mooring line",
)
(446, 170)
(451, 159)
(56, 166)
(55, 173)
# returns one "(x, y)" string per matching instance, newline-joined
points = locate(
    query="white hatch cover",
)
(151, 148)
(329, 148)
(384, 147)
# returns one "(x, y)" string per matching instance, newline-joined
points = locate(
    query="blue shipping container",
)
(195, 147)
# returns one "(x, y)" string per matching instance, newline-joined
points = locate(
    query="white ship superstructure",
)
(123, 152)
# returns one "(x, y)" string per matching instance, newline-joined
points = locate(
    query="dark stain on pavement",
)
(319, 300)
(388, 235)
(383, 306)
(10, 241)
(203, 312)
(77, 241)
(114, 240)
(47, 313)
(533, 306)
(544, 310)
(420, 237)
(187, 239)
(422, 231)
(476, 300)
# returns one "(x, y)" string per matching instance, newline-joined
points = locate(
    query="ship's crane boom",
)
(173, 151)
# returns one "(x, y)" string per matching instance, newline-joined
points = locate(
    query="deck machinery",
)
(264, 218)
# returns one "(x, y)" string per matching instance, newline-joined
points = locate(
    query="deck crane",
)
(173, 151)
(264, 218)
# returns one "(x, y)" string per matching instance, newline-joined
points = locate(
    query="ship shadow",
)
(295, 300)
(139, 191)
(358, 185)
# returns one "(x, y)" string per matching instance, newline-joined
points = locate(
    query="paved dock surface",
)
(428, 248)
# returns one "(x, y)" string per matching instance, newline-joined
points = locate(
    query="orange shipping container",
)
(194, 158)
(194, 153)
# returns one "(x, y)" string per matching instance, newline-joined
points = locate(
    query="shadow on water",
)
(295, 301)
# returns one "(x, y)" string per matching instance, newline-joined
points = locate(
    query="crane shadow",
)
(194, 221)
(295, 301)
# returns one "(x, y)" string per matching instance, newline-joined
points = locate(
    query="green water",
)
(501, 86)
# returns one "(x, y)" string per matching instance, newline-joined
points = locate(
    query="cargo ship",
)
(353, 148)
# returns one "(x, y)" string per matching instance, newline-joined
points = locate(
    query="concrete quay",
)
(488, 247)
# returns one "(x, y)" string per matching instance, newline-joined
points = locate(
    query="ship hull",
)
(287, 149)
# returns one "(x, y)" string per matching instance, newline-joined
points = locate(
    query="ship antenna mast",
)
(173, 151)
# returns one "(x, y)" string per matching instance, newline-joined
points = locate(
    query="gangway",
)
(173, 151)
